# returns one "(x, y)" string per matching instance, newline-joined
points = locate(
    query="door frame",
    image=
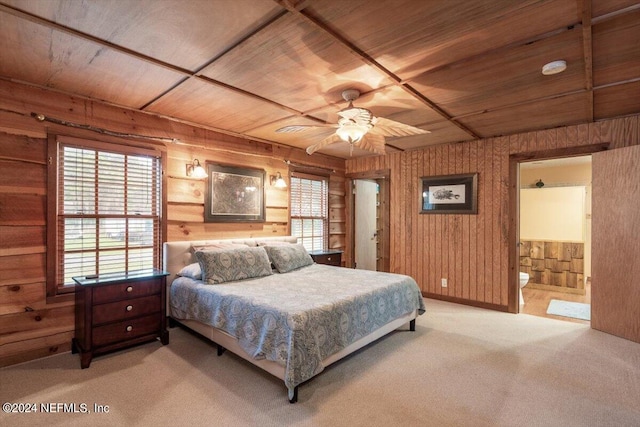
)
(513, 285)
(382, 177)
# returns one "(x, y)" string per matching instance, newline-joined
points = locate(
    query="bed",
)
(268, 302)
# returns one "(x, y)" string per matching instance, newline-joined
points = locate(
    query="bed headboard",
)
(176, 255)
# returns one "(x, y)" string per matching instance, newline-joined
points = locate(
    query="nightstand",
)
(117, 310)
(329, 257)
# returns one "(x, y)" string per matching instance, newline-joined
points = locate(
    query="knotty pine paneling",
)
(19, 351)
(471, 251)
(32, 327)
(23, 297)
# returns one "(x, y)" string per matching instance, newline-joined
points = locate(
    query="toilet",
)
(524, 279)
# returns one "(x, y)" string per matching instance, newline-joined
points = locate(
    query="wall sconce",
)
(195, 170)
(277, 181)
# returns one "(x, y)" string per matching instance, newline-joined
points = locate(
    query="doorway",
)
(368, 222)
(555, 238)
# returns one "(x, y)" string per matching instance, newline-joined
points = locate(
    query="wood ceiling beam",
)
(584, 7)
(298, 9)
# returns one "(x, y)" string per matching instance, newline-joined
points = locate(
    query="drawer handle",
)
(129, 307)
(129, 288)
(329, 258)
(129, 328)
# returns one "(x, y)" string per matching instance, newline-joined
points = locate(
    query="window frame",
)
(326, 218)
(59, 292)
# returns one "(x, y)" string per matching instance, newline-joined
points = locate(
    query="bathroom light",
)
(554, 67)
(278, 181)
(195, 170)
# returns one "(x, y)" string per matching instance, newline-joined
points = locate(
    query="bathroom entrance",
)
(554, 250)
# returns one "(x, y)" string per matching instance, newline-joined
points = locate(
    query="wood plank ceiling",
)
(463, 69)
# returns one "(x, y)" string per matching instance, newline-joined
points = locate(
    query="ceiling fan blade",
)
(301, 128)
(386, 127)
(328, 140)
(372, 142)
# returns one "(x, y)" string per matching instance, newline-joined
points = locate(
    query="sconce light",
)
(278, 181)
(195, 170)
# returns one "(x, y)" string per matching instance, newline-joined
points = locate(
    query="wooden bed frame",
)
(176, 256)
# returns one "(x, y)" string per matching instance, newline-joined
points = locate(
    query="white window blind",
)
(109, 206)
(309, 210)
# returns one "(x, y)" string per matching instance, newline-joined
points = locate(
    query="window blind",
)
(309, 210)
(109, 206)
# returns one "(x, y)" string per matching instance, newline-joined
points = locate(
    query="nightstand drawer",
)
(328, 258)
(126, 309)
(127, 329)
(127, 290)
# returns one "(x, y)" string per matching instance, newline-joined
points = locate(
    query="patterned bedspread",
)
(301, 317)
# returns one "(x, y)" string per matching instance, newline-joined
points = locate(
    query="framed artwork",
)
(234, 194)
(449, 194)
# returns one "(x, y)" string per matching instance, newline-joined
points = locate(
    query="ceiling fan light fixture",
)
(352, 133)
(554, 67)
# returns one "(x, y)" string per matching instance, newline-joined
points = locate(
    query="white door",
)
(365, 224)
(615, 270)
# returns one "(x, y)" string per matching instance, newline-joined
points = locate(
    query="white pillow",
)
(192, 270)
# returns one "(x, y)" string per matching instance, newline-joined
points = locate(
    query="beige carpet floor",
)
(463, 366)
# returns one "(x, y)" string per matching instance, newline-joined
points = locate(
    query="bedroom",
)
(567, 115)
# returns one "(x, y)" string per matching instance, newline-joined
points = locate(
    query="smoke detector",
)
(554, 67)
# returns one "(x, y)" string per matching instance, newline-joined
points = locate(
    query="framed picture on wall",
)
(234, 194)
(447, 194)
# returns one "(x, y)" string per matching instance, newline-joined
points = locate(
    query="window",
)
(309, 210)
(107, 211)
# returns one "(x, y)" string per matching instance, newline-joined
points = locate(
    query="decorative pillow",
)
(192, 270)
(289, 257)
(226, 265)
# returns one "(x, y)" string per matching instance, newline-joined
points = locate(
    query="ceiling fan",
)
(359, 127)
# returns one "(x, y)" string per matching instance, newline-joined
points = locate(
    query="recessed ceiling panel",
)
(36, 54)
(184, 33)
(544, 114)
(506, 77)
(614, 101)
(441, 132)
(616, 49)
(198, 101)
(295, 64)
(409, 37)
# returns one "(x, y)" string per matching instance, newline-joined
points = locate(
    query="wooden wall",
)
(31, 327)
(471, 251)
